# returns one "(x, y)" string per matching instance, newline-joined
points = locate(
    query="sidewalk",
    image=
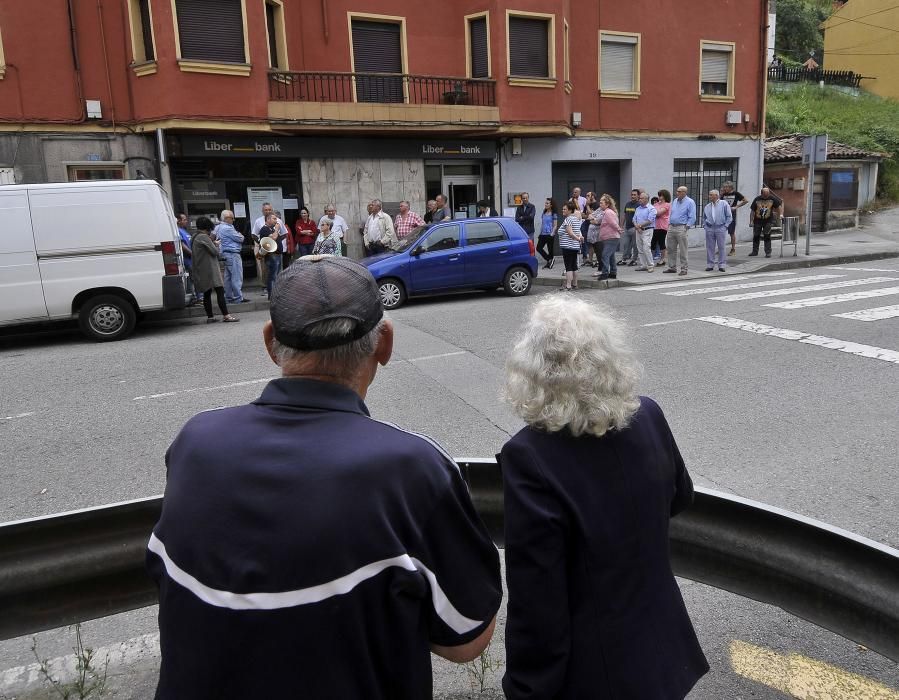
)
(877, 237)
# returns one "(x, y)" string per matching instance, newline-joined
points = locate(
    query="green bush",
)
(866, 122)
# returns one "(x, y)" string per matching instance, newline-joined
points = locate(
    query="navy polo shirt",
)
(308, 550)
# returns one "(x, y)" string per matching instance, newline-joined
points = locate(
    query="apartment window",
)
(716, 71)
(699, 175)
(211, 30)
(84, 173)
(566, 56)
(277, 40)
(478, 47)
(843, 189)
(619, 63)
(2, 60)
(530, 46)
(378, 48)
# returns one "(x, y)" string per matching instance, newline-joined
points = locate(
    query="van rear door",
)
(91, 238)
(21, 295)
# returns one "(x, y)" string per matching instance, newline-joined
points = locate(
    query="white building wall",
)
(646, 162)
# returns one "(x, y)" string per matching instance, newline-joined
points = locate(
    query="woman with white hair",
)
(589, 486)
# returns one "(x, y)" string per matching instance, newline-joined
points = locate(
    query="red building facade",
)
(332, 100)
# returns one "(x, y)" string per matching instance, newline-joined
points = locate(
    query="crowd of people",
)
(650, 231)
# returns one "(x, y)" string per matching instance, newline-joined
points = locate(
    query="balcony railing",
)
(798, 74)
(385, 88)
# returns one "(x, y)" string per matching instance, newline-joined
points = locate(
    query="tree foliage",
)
(796, 33)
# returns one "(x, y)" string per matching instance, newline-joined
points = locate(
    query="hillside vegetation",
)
(867, 122)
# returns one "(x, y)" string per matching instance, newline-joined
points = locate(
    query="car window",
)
(477, 232)
(441, 238)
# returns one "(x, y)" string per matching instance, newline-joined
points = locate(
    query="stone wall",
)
(351, 184)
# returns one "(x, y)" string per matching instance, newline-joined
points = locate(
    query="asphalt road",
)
(790, 404)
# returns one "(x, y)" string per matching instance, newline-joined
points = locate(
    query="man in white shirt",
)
(339, 225)
(379, 232)
(260, 222)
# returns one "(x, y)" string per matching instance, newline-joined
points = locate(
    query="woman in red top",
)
(306, 233)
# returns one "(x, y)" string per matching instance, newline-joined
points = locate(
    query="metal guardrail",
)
(389, 88)
(64, 568)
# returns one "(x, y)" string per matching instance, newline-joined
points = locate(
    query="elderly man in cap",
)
(317, 552)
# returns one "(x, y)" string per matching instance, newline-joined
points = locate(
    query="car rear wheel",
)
(107, 317)
(517, 282)
(392, 293)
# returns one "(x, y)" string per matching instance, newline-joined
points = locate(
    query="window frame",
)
(436, 230)
(529, 81)
(638, 51)
(280, 35)
(72, 166)
(468, 67)
(851, 204)
(404, 46)
(190, 65)
(713, 45)
(566, 57)
(2, 59)
(140, 64)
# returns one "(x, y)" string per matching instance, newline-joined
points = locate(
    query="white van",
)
(101, 252)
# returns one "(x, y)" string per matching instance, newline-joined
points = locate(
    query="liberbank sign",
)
(313, 147)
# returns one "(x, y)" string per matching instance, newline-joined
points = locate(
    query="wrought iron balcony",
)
(384, 88)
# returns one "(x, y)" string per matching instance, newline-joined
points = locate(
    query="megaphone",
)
(268, 245)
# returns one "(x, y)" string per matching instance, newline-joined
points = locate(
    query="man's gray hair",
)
(715, 192)
(342, 360)
(727, 183)
(406, 202)
(376, 202)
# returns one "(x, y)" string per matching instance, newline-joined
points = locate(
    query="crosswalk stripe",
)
(713, 280)
(748, 285)
(834, 298)
(877, 314)
(847, 346)
(802, 290)
(860, 269)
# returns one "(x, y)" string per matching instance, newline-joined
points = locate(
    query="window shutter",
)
(715, 66)
(477, 29)
(377, 49)
(272, 35)
(529, 47)
(211, 30)
(617, 62)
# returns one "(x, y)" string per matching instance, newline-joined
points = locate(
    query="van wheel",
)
(392, 293)
(106, 317)
(517, 282)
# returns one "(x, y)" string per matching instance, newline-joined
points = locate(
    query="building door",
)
(464, 193)
(591, 176)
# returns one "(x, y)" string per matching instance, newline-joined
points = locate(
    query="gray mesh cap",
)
(322, 288)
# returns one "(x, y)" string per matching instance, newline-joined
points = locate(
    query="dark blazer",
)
(594, 610)
(524, 215)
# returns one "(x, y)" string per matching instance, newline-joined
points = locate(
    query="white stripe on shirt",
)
(314, 594)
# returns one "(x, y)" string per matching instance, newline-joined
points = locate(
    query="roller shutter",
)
(529, 47)
(211, 30)
(617, 64)
(478, 39)
(377, 48)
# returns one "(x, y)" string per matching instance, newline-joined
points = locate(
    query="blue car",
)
(453, 255)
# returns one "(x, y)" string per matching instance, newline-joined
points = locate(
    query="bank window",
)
(716, 70)
(442, 238)
(84, 173)
(480, 232)
(531, 47)
(619, 63)
(211, 30)
(276, 35)
(478, 46)
(378, 48)
(843, 189)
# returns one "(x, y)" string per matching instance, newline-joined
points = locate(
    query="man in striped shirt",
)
(406, 220)
(293, 564)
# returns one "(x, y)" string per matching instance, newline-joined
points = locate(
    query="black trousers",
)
(761, 230)
(544, 243)
(220, 297)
